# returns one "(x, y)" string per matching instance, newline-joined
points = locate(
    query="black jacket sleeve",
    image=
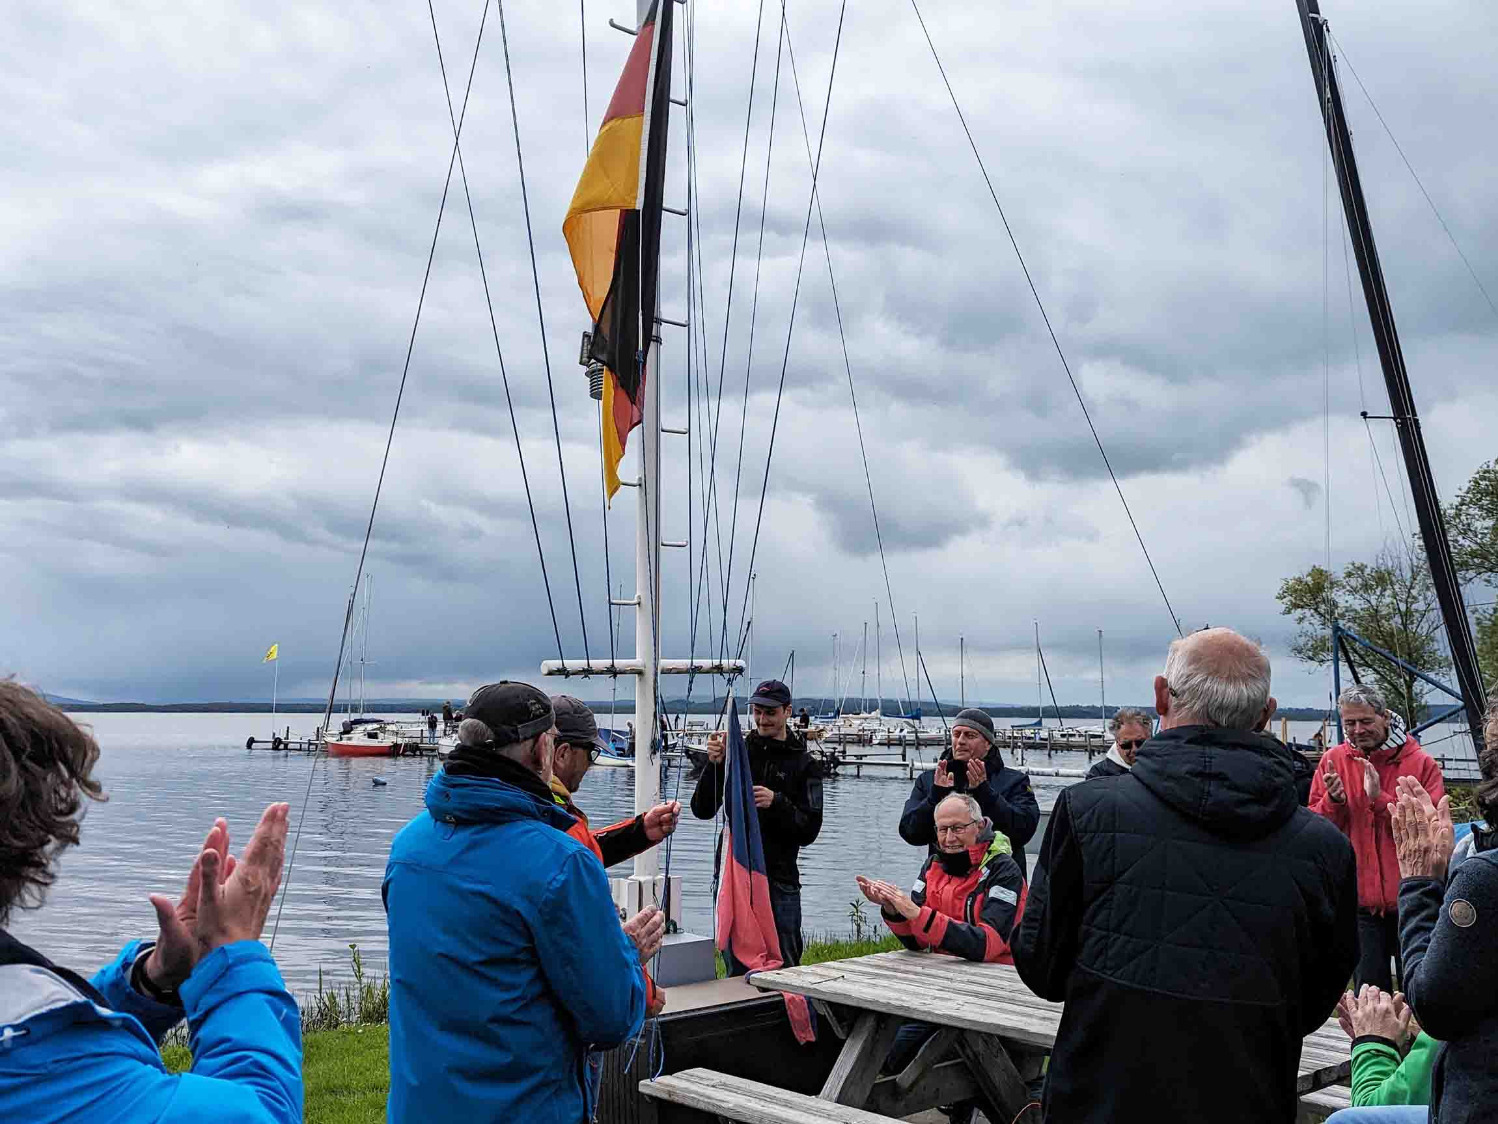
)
(707, 797)
(623, 840)
(1008, 799)
(1450, 970)
(1332, 950)
(797, 812)
(1045, 948)
(918, 820)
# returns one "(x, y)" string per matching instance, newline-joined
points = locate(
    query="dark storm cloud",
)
(215, 239)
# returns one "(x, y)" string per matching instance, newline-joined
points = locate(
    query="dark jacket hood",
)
(1234, 783)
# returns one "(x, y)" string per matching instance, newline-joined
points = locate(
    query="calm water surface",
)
(169, 775)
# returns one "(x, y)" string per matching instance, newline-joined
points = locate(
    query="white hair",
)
(973, 808)
(1363, 694)
(473, 732)
(1219, 678)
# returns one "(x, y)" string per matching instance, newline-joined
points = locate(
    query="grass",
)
(1463, 802)
(346, 1042)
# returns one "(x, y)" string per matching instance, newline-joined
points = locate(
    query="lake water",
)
(169, 775)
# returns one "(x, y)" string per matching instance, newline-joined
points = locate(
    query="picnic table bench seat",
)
(1316, 1107)
(752, 1102)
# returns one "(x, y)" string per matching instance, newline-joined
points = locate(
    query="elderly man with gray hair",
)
(1354, 788)
(1196, 920)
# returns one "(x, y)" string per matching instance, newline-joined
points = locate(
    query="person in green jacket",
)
(1392, 1060)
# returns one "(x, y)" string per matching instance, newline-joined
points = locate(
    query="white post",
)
(274, 684)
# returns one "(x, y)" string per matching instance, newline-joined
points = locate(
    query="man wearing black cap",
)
(973, 765)
(507, 959)
(788, 794)
(578, 746)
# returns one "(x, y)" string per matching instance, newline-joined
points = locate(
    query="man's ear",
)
(1269, 708)
(1162, 696)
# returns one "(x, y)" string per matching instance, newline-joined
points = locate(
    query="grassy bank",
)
(346, 1041)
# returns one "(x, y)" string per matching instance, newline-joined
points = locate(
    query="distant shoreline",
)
(701, 706)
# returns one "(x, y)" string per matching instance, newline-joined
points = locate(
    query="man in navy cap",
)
(974, 766)
(788, 794)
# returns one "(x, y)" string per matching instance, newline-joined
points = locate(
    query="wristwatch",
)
(141, 981)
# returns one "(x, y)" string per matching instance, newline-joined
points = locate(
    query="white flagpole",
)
(274, 686)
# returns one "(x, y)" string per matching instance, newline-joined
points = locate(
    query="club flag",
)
(746, 923)
(613, 230)
(275, 651)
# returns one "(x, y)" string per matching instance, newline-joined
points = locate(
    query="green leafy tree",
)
(1390, 602)
(1472, 522)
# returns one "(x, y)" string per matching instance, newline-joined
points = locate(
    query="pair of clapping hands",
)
(887, 895)
(1423, 832)
(227, 899)
(1376, 1012)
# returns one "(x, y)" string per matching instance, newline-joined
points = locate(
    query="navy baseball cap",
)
(575, 722)
(515, 712)
(772, 692)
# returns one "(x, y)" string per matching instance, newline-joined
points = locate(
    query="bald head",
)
(1214, 678)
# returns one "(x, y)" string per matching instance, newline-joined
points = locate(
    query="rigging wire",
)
(384, 463)
(1413, 175)
(759, 254)
(1326, 372)
(795, 301)
(1056, 343)
(530, 239)
(582, 11)
(837, 309)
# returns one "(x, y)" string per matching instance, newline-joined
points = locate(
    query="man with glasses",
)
(966, 901)
(788, 794)
(1130, 730)
(1353, 787)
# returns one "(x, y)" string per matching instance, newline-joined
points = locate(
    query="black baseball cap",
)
(772, 692)
(575, 722)
(515, 712)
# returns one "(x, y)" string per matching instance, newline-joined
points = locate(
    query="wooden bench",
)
(751, 1102)
(1316, 1107)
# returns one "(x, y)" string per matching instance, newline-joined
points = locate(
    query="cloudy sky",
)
(216, 224)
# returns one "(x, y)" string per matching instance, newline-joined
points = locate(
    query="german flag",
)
(613, 229)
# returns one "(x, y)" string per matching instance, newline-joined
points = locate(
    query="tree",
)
(1390, 602)
(1472, 522)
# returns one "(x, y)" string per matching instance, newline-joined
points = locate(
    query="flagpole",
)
(275, 684)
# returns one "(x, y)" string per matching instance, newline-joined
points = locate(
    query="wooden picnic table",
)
(995, 1032)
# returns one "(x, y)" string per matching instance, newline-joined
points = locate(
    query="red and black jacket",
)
(970, 915)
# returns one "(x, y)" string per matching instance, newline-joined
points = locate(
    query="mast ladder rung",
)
(626, 602)
(682, 211)
(669, 320)
(672, 429)
(635, 483)
(679, 101)
(675, 545)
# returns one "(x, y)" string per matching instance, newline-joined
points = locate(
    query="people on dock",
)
(1130, 729)
(1445, 928)
(1353, 787)
(1197, 922)
(973, 765)
(788, 795)
(803, 719)
(75, 1049)
(965, 901)
(507, 958)
(578, 746)
(1392, 1060)
(431, 726)
(447, 717)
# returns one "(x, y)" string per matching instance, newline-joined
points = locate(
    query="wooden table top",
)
(989, 998)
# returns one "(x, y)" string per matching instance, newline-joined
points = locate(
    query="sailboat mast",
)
(1396, 376)
(878, 662)
(1102, 689)
(863, 680)
(962, 670)
(1039, 694)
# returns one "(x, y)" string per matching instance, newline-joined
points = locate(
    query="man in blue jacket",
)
(507, 959)
(973, 766)
(85, 1051)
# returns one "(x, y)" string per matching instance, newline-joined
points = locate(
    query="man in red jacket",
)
(1354, 787)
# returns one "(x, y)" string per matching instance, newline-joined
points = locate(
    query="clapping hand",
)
(661, 820)
(234, 897)
(977, 772)
(1370, 781)
(1424, 835)
(176, 952)
(1374, 1012)
(1334, 787)
(888, 896)
(943, 777)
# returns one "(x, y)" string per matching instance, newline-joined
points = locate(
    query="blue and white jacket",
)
(85, 1051)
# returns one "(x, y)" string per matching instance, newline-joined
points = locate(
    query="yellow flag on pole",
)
(275, 650)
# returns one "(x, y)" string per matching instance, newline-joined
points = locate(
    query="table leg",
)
(857, 1066)
(998, 1079)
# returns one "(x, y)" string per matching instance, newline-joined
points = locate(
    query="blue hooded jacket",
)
(507, 960)
(64, 1056)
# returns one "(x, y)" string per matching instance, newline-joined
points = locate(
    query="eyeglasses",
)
(1132, 744)
(954, 829)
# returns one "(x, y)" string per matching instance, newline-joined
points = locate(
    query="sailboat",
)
(360, 735)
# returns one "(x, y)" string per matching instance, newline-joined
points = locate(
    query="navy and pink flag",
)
(746, 924)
